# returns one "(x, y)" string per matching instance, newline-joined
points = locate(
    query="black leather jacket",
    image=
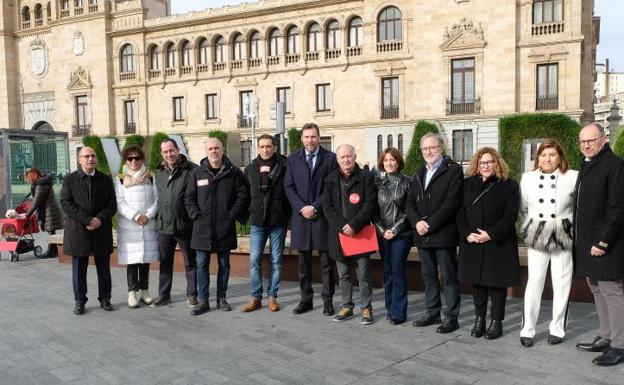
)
(391, 198)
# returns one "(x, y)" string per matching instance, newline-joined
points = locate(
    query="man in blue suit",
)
(305, 174)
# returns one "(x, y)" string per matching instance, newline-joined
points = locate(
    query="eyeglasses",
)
(590, 142)
(88, 156)
(486, 163)
(131, 158)
(427, 149)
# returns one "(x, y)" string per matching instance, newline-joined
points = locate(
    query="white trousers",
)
(561, 277)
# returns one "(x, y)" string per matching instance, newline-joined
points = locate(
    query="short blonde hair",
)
(501, 169)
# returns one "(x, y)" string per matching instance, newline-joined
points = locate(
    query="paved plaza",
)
(43, 342)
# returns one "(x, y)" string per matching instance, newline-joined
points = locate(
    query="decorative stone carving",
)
(79, 45)
(463, 35)
(79, 80)
(38, 59)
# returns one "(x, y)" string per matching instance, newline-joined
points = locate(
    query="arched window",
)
(26, 14)
(237, 47)
(356, 33)
(333, 35)
(379, 145)
(127, 58)
(274, 42)
(219, 54)
(202, 51)
(154, 57)
(38, 12)
(171, 57)
(313, 37)
(389, 25)
(390, 141)
(49, 11)
(293, 39)
(65, 5)
(185, 53)
(400, 143)
(254, 45)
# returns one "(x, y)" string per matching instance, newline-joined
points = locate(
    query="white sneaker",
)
(133, 302)
(146, 298)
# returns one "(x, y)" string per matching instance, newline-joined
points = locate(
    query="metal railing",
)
(547, 103)
(81, 130)
(459, 107)
(130, 128)
(389, 112)
(244, 121)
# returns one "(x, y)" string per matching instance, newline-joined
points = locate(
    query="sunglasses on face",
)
(131, 158)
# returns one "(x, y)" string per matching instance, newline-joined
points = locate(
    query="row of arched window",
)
(63, 6)
(241, 47)
(389, 143)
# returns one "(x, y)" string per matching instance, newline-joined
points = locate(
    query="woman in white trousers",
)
(547, 209)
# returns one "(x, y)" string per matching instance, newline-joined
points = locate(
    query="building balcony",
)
(78, 10)
(153, 74)
(292, 58)
(236, 64)
(273, 60)
(64, 13)
(547, 28)
(462, 107)
(130, 128)
(312, 56)
(203, 67)
(93, 8)
(81, 130)
(390, 113)
(254, 62)
(390, 45)
(170, 71)
(25, 24)
(127, 76)
(219, 66)
(186, 70)
(354, 51)
(333, 53)
(244, 121)
(38, 22)
(546, 103)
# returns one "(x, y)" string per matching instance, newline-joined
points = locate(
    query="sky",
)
(611, 13)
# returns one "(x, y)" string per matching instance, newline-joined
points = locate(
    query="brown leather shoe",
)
(273, 304)
(253, 304)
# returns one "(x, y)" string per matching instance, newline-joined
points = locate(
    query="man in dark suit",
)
(599, 240)
(305, 174)
(88, 199)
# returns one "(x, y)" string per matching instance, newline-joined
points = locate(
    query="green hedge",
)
(131, 140)
(414, 158)
(221, 135)
(618, 146)
(155, 157)
(294, 140)
(514, 129)
(95, 143)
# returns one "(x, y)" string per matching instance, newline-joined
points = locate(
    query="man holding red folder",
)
(349, 204)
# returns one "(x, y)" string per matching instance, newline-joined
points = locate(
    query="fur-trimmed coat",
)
(547, 208)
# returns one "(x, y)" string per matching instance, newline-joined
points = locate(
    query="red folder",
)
(363, 242)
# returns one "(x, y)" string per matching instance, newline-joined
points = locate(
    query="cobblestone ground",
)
(42, 342)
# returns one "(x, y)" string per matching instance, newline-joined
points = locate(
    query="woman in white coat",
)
(547, 208)
(137, 199)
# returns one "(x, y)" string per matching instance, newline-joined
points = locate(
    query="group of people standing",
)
(464, 229)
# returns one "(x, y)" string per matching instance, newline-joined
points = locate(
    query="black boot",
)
(223, 305)
(495, 330)
(479, 327)
(52, 251)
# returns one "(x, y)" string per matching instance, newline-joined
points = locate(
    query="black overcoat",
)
(80, 208)
(268, 208)
(304, 188)
(215, 203)
(358, 212)
(437, 204)
(599, 216)
(494, 263)
(45, 204)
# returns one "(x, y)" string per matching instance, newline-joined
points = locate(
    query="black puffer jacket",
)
(172, 218)
(270, 207)
(215, 203)
(391, 198)
(45, 204)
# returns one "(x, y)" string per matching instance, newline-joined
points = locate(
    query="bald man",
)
(599, 240)
(88, 199)
(217, 195)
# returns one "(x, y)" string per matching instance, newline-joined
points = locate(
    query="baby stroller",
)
(17, 234)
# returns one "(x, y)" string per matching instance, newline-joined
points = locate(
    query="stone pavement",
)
(43, 342)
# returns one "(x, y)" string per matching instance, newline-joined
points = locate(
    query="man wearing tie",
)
(304, 183)
(88, 199)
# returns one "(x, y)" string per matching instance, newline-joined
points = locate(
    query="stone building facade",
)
(364, 70)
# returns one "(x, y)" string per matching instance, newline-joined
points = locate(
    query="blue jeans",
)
(394, 254)
(430, 259)
(203, 273)
(258, 238)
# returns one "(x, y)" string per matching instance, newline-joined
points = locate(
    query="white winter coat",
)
(136, 243)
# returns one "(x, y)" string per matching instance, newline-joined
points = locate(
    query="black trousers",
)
(305, 276)
(166, 248)
(138, 276)
(79, 277)
(498, 296)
